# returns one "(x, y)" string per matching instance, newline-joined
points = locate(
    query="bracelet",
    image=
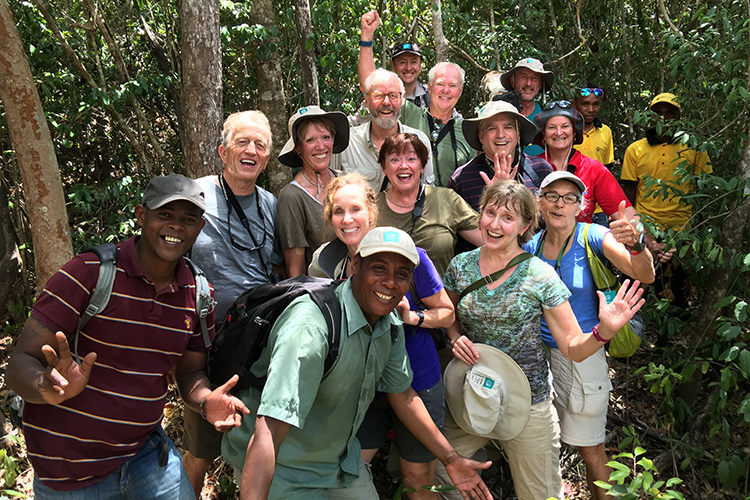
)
(634, 253)
(203, 408)
(595, 333)
(420, 315)
(362, 43)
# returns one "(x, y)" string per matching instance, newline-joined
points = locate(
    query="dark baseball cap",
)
(162, 190)
(406, 48)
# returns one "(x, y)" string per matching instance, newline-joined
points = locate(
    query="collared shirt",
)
(597, 144)
(229, 269)
(324, 414)
(650, 157)
(601, 186)
(419, 96)
(139, 338)
(448, 158)
(362, 156)
(467, 182)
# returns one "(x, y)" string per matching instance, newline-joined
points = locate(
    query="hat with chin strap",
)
(289, 157)
(470, 126)
(534, 65)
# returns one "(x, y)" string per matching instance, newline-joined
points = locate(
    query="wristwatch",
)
(640, 244)
(420, 315)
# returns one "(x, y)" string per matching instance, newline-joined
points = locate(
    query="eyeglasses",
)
(568, 199)
(559, 104)
(585, 92)
(380, 97)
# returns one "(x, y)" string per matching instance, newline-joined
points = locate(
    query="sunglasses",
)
(559, 104)
(585, 92)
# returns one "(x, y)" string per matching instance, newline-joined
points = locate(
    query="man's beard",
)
(384, 122)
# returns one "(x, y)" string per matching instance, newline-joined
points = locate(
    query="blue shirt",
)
(576, 274)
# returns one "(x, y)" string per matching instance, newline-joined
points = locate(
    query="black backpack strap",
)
(107, 254)
(204, 303)
(529, 170)
(325, 298)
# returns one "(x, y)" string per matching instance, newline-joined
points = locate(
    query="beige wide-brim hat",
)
(470, 126)
(534, 65)
(491, 398)
(289, 157)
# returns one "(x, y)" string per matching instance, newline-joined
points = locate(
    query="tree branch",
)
(466, 56)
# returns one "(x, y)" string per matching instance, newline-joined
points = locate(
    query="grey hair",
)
(382, 72)
(440, 65)
(252, 116)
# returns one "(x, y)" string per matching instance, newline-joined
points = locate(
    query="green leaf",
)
(740, 311)
(724, 302)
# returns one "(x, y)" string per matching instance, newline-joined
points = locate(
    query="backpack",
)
(244, 333)
(107, 253)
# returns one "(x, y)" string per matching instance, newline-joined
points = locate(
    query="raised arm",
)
(366, 65)
(260, 458)
(462, 471)
(42, 370)
(576, 345)
(637, 265)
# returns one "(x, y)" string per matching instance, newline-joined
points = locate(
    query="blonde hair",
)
(354, 179)
(514, 196)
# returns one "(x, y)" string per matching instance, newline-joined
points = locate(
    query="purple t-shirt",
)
(419, 344)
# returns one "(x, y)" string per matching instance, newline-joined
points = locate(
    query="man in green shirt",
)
(302, 442)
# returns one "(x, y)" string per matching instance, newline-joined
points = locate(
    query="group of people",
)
(475, 232)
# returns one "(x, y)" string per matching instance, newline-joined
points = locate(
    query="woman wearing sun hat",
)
(314, 135)
(561, 127)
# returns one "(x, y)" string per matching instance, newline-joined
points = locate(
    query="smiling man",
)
(500, 132)
(237, 249)
(93, 427)
(384, 98)
(302, 441)
(406, 62)
(440, 121)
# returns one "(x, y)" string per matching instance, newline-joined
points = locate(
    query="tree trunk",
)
(10, 258)
(307, 55)
(441, 44)
(271, 95)
(29, 133)
(201, 86)
(732, 230)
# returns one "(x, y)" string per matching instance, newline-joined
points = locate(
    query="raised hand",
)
(369, 23)
(64, 378)
(622, 229)
(223, 410)
(617, 313)
(463, 473)
(504, 170)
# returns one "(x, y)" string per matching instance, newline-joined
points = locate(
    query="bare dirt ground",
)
(631, 405)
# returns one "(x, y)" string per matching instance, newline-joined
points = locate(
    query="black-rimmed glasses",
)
(568, 199)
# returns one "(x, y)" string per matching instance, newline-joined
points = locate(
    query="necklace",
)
(317, 184)
(400, 206)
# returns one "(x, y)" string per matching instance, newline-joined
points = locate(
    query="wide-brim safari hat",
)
(534, 65)
(470, 126)
(289, 156)
(491, 398)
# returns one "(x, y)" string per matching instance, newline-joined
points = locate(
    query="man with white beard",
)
(384, 96)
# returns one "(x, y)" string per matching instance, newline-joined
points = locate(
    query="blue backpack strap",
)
(107, 253)
(204, 303)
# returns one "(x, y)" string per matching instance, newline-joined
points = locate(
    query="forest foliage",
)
(108, 72)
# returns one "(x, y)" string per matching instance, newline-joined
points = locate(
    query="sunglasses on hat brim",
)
(585, 92)
(559, 104)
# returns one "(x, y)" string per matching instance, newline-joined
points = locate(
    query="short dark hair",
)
(397, 143)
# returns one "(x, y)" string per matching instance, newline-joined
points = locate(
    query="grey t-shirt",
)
(231, 270)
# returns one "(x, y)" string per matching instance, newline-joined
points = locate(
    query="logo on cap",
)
(391, 236)
(488, 383)
(406, 46)
(302, 111)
